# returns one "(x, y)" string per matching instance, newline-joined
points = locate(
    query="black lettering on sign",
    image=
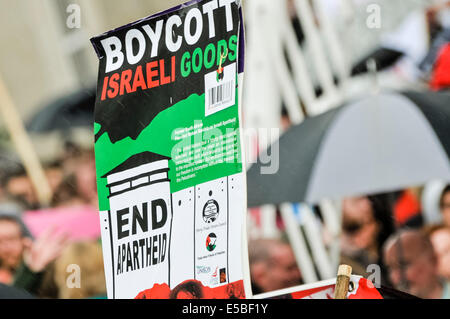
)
(164, 245)
(142, 220)
(155, 250)
(119, 264)
(124, 257)
(140, 217)
(135, 255)
(129, 261)
(122, 222)
(149, 251)
(142, 253)
(162, 204)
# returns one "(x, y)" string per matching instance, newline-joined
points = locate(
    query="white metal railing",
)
(268, 83)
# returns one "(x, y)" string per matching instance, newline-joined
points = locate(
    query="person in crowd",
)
(367, 223)
(440, 238)
(23, 260)
(14, 238)
(67, 194)
(79, 271)
(444, 204)
(79, 185)
(272, 266)
(7, 164)
(413, 265)
(17, 186)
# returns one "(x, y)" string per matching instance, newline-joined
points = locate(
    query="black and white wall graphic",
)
(154, 237)
(137, 227)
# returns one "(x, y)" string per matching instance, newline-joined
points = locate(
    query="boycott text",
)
(113, 46)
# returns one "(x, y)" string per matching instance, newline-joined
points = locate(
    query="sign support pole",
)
(24, 146)
(342, 282)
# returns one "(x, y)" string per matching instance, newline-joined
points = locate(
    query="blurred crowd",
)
(39, 255)
(394, 231)
(388, 231)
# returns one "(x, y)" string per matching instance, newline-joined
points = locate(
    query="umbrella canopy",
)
(73, 110)
(380, 143)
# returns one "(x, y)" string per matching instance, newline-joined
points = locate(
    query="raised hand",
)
(40, 253)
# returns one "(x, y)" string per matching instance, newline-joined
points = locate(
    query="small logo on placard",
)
(223, 275)
(203, 270)
(211, 242)
(214, 280)
(210, 211)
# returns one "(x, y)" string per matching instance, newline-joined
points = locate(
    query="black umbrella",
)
(71, 111)
(377, 144)
(383, 57)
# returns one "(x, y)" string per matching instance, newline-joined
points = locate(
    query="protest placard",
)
(170, 174)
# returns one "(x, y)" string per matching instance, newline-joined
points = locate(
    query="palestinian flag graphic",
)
(211, 242)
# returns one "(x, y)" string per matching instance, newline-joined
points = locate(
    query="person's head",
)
(54, 174)
(17, 185)
(367, 223)
(86, 178)
(440, 238)
(444, 204)
(189, 289)
(273, 265)
(412, 263)
(358, 223)
(67, 193)
(88, 257)
(13, 238)
(9, 165)
(81, 165)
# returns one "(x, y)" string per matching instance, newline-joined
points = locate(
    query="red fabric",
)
(441, 75)
(232, 290)
(255, 213)
(365, 290)
(406, 207)
(157, 292)
(323, 292)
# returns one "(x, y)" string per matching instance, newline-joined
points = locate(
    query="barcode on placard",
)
(221, 94)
